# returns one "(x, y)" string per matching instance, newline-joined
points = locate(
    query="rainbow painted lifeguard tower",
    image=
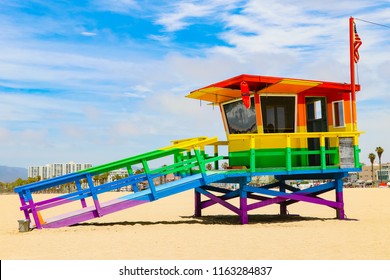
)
(292, 129)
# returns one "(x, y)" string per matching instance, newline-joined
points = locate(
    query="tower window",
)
(239, 118)
(338, 113)
(278, 113)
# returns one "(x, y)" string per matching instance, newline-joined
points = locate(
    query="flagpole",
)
(352, 69)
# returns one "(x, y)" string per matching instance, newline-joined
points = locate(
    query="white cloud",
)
(74, 131)
(92, 112)
(142, 88)
(176, 20)
(118, 6)
(31, 108)
(61, 68)
(134, 95)
(127, 128)
(184, 13)
(34, 136)
(88, 34)
(4, 134)
(162, 39)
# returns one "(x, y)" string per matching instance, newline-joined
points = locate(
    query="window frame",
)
(280, 95)
(343, 125)
(317, 110)
(226, 121)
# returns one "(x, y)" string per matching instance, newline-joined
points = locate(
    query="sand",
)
(166, 230)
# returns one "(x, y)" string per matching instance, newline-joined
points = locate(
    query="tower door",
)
(317, 121)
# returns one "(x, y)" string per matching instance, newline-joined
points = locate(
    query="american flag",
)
(356, 44)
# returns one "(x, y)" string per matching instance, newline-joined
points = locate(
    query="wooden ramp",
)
(190, 161)
(128, 201)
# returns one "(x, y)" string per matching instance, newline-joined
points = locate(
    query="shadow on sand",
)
(217, 220)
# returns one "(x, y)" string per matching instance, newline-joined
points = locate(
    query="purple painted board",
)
(244, 210)
(88, 213)
(297, 197)
(222, 202)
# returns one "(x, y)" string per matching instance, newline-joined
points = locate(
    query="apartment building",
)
(52, 170)
(378, 174)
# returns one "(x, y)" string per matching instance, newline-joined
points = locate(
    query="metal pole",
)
(352, 69)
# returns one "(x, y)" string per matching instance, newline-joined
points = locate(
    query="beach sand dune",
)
(165, 229)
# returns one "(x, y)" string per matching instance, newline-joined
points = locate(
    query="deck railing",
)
(289, 152)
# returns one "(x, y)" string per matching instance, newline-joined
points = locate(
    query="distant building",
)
(52, 170)
(385, 174)
(117, 174)
(366, 174)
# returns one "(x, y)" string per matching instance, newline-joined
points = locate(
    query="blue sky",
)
(97, 81)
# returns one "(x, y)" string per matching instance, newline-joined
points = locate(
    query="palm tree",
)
(84, 182)
(225, 165)
(117, 177)
(371, 156)
(96, 180)
(71, 186)
(104, 178)
(139, 171)
(165, 174)
(379, 151)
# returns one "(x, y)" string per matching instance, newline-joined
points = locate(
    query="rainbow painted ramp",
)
(87, 188)
(127, 201)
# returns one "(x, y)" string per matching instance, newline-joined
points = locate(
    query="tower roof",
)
(230, 89)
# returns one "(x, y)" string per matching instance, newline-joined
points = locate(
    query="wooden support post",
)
(288, 154)
(201, 164)
(94, 195)
(252, 150)
(150, 179)
(176, 159)
(188, 155)
(283, 205)
(340, 199)
(356, 151)
(198, 204)
(131, 173)
(79, 188)
(23, 202)
(216, 167)
(34, 211)
(243, 205)
(322, 152)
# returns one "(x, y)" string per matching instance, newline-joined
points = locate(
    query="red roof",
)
(230, 89)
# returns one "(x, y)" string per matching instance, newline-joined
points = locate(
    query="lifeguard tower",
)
(292, 129)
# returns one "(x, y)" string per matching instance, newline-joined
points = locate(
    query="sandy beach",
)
(165, 229)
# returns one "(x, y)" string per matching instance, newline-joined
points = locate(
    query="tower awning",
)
(229, 89)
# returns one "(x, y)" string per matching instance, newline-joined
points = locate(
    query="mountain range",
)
(10, 174)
